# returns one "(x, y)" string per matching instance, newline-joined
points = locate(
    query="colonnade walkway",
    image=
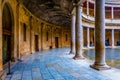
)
(55, 64)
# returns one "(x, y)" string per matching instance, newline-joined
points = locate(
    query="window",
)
(24, 32)
(47, 36)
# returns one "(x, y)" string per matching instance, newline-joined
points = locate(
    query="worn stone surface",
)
(53, 64)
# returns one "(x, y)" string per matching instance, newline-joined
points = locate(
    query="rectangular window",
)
(24, 32)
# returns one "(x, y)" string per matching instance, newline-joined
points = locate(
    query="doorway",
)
(6, 48)
(36, 43)
(7, 34)
(56, 42)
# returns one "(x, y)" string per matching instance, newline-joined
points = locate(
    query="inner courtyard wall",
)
(28, 30)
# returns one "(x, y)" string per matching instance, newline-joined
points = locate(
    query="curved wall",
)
(32, 34)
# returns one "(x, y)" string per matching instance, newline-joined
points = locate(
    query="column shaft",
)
(88, 37)
(79, 33)
(100, 63)
(30, 35)
(94, 9)
(112, 37)
(1, 62)
(87, 7)
(112, 14)
(72, 34)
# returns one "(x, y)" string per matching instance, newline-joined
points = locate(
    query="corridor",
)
(54, 64)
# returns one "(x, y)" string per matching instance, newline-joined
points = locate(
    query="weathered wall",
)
(35, 29)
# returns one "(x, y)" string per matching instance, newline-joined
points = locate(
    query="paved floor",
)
(54, 64)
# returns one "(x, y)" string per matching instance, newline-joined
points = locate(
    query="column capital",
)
(72, 14)
(78, 4)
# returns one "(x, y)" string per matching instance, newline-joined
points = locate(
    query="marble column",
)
(100, 63)
(79, 33)
(88, 37)
(112, 12)
(112, 37)
(87, 7)
(72, 34)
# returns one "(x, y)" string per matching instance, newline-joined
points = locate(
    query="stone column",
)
(42, 25)
(88, 37)
(112, 37)
(18, 30)
(51, 37)
(87, 7)
(1, 63)
(112, 12)
(100, 63)
(79, 33)
(30, 19)
(94, 9)
(72, 34)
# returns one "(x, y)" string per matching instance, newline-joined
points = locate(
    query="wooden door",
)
(36, 43)
(6, 48)
(56, 42)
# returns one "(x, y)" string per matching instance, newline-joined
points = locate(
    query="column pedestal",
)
(100, 67)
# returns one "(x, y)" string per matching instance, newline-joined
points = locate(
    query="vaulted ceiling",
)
(53, 11)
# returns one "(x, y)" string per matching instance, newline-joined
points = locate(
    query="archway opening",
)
(7, 33)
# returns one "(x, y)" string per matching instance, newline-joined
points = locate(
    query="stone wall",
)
(31, 34)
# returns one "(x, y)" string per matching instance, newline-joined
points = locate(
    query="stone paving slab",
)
(54, 64)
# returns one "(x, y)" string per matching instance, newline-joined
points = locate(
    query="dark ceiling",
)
(53, 11)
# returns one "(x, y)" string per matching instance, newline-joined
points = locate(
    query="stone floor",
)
(56, 64)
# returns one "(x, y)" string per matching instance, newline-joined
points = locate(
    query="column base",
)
(78, 58)
(100, 67)
(71, 52)
(20, 60)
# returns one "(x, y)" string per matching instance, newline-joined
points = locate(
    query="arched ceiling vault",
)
(53, 11)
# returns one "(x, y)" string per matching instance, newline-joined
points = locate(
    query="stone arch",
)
(7, 33)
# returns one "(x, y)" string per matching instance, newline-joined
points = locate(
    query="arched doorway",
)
(7, 33)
